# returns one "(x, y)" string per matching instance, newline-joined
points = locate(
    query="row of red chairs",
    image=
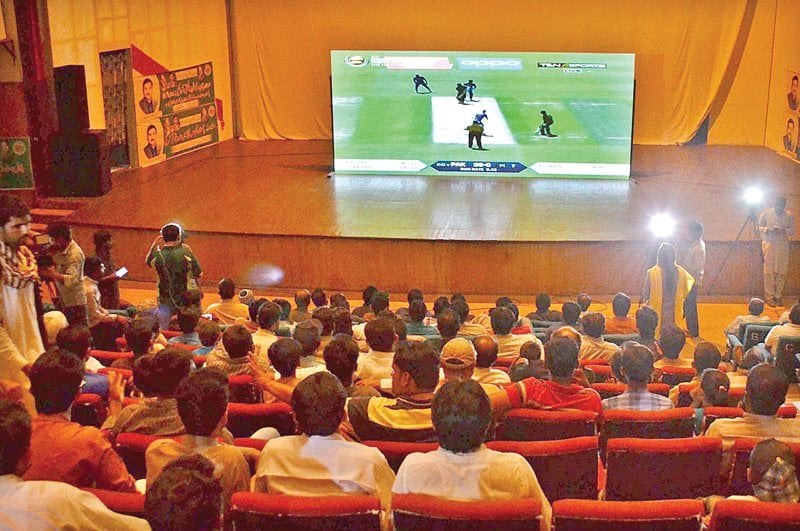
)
(251, 510)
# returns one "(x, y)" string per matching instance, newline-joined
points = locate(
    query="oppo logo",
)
(476, 63)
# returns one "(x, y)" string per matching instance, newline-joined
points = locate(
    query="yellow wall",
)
(175, 33)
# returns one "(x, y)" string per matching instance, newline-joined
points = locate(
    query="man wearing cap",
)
(458, 360)
(227, 310)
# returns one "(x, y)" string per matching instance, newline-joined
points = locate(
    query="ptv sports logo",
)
(356, 60)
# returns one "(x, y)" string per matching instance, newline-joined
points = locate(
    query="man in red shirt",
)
(561, 359)
(621, 323)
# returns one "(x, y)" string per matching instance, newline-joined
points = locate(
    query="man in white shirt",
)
(486, 350)
(775, 225)
(508, 344)
(593, 346)
(467, 328)
(790, 329)
(26, 505)
(307, 334)
(376, 364)
(755, 311)
(694, 263)
(321, 462)
(228, 309)
(463, 468)
(269, 315)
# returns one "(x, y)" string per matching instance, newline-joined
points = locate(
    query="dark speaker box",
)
(81, 164)
(71, 99)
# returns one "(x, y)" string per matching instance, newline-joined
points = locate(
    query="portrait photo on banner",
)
(150, 139)
(789, 136)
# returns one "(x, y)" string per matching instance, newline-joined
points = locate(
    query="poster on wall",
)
(789, 140)
(175, 112)
(15, 163)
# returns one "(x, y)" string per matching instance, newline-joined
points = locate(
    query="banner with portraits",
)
(175, 113)
(791, 145)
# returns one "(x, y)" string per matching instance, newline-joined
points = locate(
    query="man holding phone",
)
(173, 262)
(105, 326)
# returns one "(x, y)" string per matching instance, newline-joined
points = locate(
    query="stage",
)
(266, 213)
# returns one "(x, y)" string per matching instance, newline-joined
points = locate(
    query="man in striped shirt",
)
(637, 368)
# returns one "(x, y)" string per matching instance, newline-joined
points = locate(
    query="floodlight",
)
(662, 225)
(753, 195)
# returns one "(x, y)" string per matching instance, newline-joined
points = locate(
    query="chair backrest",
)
(525, 424)
(619, 339)
(662, 469)
(585, 362)
(607, 390)
(663, 515)
(199, 361)
(755, 334)
(666, 424)
(107, 357)
(242, 388)
(395, 452)
(89, 410)
(710, 414)
(565, 469)
(601, 372)
(786, 356)
(418, 511)
(131, 448)
(741, 457)
(684, 394)
(184, 346)
(245, 419)
(258, 510)
(130, 503)
(755, 516)
(673, 376)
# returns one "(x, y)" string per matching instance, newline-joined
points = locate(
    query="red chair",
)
(662, 515)
(710, 414)
(247, 442)
(183, 346)
(525, 424)
(565, 469)
(755, 516)
(684, 394)
(603, 372)
(169, 334)
(257, 510)
(131, 448)
(787, 411)
(89, 410)
(418, 511)
(107, 357)
(587, 362)
(199, 361)
(666, 424)
(395, 452)
(673, 376)
(242, 388)
(741, 458)
(245, 419)
(130, 503)
(607, 390)
(662, 469)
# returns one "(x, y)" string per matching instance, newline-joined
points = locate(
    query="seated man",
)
(186, 495)
(417, 312)
(319, 298)
(202, 405)
(570, 315)
(637, 369)
(284, 356)
(646, 324)
(764, 394)
(593, 346)
(672, 342)
(447, 323)
(561, 359)
(414, 294)
(307, 334)
(584, 300)
(463, 468)
(486, 351)
(302, 300)
(755, 315)
(61, 450)
(319, 461)
(230, 358)
(140, 339)
(706, 356)
(508, 344)
(208, 332)
(78, 340)
(529, 364)
(157, 416)
(187, 321)
(376, 364)
(45, 504)
(228, 309)
(106, 327)
(621, 323)
(467, 327)
(252, 311)
(341, 360)
(457, 361)
(268, 318)
(790, 329)
(324, 316)
(543, 311)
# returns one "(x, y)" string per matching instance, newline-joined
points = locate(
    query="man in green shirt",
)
(173, 262)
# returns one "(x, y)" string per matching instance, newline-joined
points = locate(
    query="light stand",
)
(754, 236)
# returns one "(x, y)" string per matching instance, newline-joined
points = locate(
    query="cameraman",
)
(67, 272)
(20, 340)
(173, 262)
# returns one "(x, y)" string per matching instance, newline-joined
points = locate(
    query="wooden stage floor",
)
(263, 212)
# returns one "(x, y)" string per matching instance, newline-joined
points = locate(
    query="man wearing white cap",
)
(458, 360)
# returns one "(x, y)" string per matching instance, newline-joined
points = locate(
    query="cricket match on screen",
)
(504, 114)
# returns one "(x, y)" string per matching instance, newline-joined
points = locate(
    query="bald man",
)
(302, 299)
(486, 349)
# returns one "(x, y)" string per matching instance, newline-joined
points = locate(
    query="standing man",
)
(547, 121)
(775, 225)
(480, 117)
(173, 262)
(694, 264)
(67, 272)
(471, 86)
(475, 134)
(420, 81)
(20, 340)
(461, 93)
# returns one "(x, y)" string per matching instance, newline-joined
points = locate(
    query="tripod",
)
(754, 259)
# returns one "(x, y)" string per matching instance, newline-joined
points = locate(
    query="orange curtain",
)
(683, 49)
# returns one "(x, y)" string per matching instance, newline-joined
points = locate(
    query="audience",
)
(790, 329)
(621, 323)
(706, 356)
(755, 315)
(319, 461)
(467, 328)
(268, 318)
(140, 339)
(78, 340)
(45, 504)
(508, 344)
(462, 467)
(307, 334)
(570, 315)
(342, 322)
(341, 360)
(486, 349)
(366, 297)
(417, 312)
(530, 363)
(228, 309)
(713, 390)
(543, 311)
(187, 321)
(106, 327)
(584, 301)
(186, 495)
(637, 370)
(202, 399)
(324, 315)
(376, 364)
(448, 324)
(593, 346)
(230, 358)
(671, 342)
(319, 298)
(61, 450)
(302, 300)
(646, 324)
(284, 356)
(208, 332)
